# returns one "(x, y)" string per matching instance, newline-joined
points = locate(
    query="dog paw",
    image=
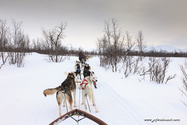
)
(96, 111)
(63, 105)
(75, 106)
(81, 103)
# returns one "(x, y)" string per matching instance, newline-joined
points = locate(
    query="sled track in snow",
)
(129, 114)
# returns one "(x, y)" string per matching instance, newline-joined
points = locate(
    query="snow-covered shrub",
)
(157, 68)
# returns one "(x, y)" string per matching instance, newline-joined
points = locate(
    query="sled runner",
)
(77, 112)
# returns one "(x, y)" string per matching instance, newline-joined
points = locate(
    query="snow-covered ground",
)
(120, 101)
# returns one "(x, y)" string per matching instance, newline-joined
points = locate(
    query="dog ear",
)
(91, 73)
(73, 73)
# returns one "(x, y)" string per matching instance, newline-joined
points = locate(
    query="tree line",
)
(120, 53)
(115, 49)
(15, 43)
(113, 46)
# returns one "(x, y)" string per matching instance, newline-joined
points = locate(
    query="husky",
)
(86, 71)
(64, 91)
(83, 64)
(77, 69)
(87, 89)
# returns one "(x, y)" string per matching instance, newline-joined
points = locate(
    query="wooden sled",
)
(77, 112)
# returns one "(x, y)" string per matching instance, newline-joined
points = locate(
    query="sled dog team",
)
(68, 87)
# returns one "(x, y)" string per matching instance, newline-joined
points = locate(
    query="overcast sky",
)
(163, 22)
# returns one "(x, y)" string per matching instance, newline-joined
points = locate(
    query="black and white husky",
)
(83, 64)
(87, 90)
(77, 69)
(87, 72)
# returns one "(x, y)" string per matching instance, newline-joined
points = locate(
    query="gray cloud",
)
(162, 21)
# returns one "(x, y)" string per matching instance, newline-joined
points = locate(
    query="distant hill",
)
(166, 48)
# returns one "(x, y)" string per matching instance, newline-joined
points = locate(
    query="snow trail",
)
(121, 107)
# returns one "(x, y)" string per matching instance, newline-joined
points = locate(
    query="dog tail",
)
(51, 91)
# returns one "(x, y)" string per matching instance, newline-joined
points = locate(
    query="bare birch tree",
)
(4, 44)
(52, 41)
(17, 44)
(111, 44)
(140, 44)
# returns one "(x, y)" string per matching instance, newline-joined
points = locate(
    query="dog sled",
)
(77, 112)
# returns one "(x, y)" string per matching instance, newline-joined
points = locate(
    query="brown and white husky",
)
(64, 91)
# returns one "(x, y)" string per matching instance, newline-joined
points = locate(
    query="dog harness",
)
(78, 68)
(84, 82)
